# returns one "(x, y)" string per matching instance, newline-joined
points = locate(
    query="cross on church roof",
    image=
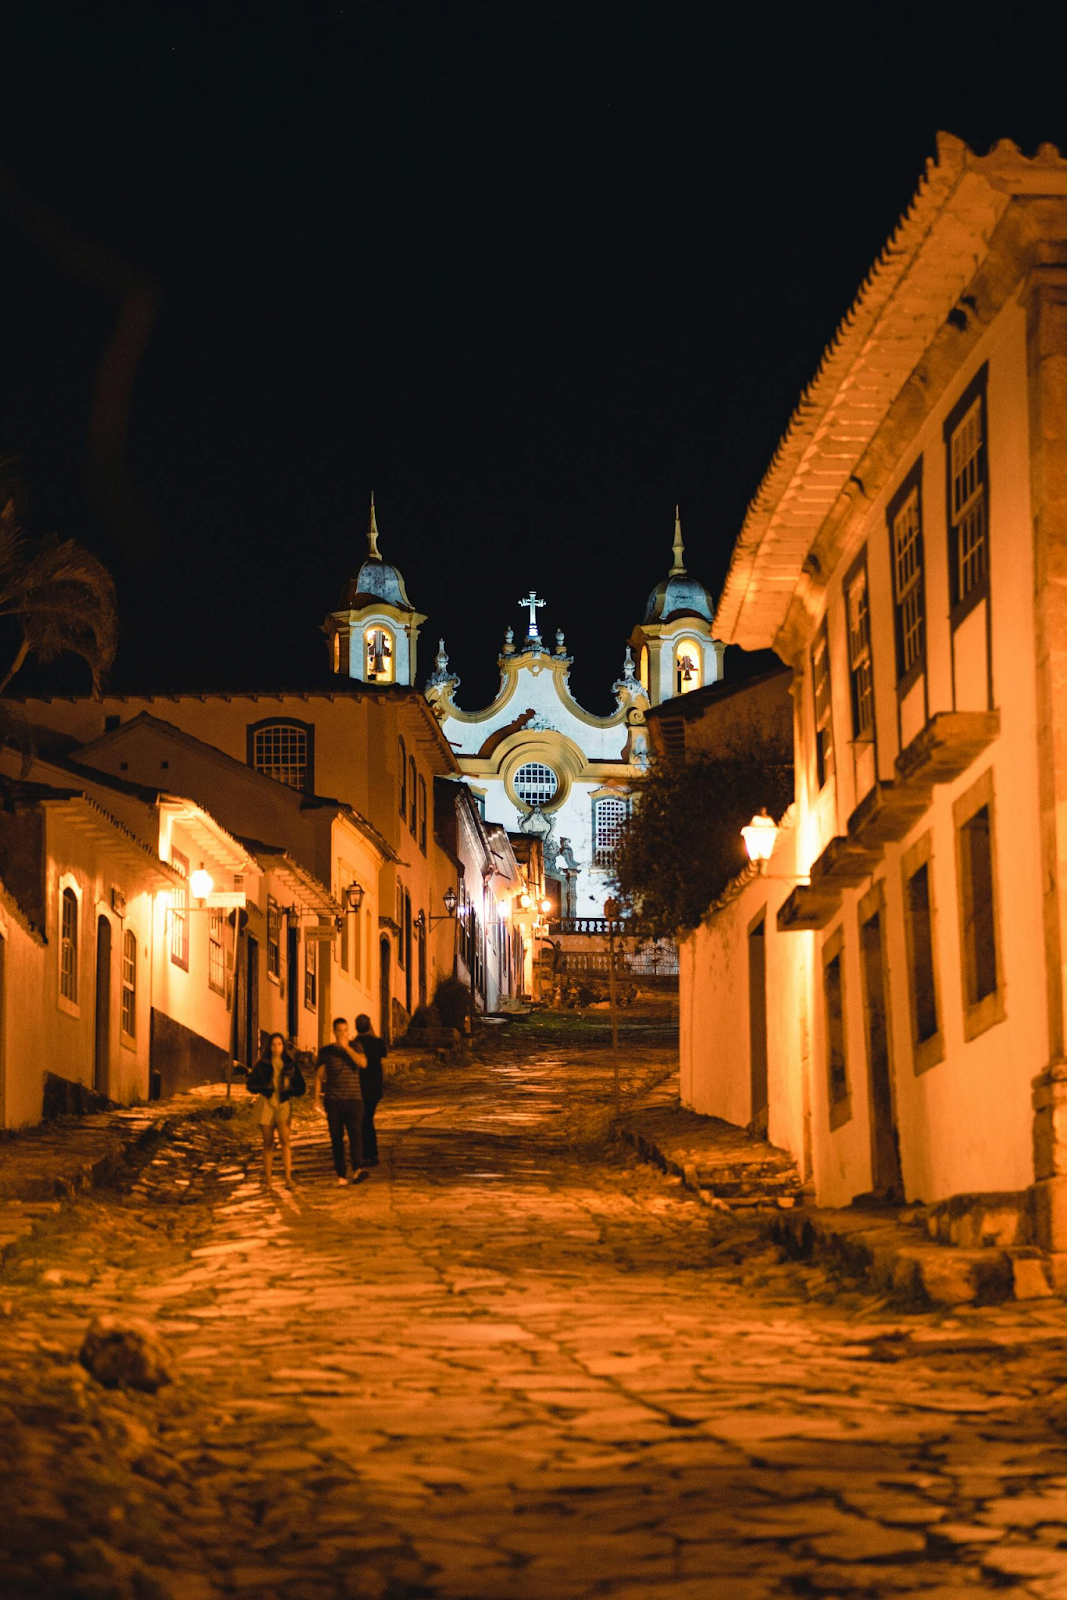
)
(531, 601)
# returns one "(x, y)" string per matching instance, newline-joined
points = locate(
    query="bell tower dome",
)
(374, 636)
(673, 643)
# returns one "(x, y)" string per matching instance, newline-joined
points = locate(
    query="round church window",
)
(535, 784)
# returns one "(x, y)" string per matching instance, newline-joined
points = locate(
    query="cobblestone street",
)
(516, 1364)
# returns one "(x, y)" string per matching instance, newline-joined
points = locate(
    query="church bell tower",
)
(374, 636)
(674, 645)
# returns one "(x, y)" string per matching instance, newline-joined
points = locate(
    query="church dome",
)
(376, 580)
(679, 595)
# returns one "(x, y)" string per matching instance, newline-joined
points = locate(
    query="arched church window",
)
(402, 775)
(535, 784)
(609, 820)
(642, 668)
(379, 645)
(687, 662)
(282, 751)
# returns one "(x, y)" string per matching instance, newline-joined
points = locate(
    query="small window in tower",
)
(642, 667)
(687, 663)
(609, 818)
(337, 652)
(379, 646)
(535, 784)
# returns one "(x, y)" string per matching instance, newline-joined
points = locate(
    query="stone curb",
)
(22, 1215)
(889, 1255)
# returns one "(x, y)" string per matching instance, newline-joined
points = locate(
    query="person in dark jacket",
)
(337, 1076)
(278, 1081)
(370, 1081)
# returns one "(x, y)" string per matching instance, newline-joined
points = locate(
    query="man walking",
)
(337, 1069)
(370, 1082)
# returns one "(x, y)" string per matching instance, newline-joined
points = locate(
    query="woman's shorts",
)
(271, 1116)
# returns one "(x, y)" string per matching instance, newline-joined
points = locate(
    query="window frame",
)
(128, 988)
(179, 912)
(216, 942)
(422, 813)
(975, 391)
(604, 856)
(986, 1011)
(856, 572)
(928, 1052)
(402, 768)
(308, 730)
(912, 484)
(539, 803)
(311, 973)
(839, 1106)
(413, 802)
(825, 763)
(274, 941)
(69, 1002)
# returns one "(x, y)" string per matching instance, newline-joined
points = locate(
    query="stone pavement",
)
(516, 1364)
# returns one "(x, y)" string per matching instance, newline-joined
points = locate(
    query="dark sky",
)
(531, 273)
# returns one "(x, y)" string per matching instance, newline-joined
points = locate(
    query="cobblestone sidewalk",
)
(514, 1365)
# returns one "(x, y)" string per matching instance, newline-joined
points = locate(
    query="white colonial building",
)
(537, 762)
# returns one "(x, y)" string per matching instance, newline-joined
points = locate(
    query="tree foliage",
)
(59, 597)
(683, 843)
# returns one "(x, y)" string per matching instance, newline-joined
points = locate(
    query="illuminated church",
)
(536, 760)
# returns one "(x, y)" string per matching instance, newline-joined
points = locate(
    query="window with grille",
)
(274, 939)
(824, 722)
(402, 776)
(968, 497)
(422, 815)
(906, 539)
(609, 820)
(179, 915)
(68, 946)
(129, 984)
(311, 973)
(216, 954)
(280, 750)
(859, 656)
(535, 784)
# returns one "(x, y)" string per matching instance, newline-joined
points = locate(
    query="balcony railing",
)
(589, 925)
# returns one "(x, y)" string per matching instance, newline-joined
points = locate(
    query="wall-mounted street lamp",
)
(201, 882)
(449, 898)
(760, 836)
(353, 896)
(544, 906)
(525, 901)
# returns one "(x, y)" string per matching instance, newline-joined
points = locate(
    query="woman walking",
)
(278, 1081)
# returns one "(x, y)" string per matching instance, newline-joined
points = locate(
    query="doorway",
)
(757, 1024)
(886, 1180)
(385, 956)
(102, 1049)
(251, 1038)
(292, 952)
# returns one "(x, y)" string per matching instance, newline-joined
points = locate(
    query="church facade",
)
(536, 761)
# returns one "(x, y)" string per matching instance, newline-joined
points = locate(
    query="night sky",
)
(531, 273)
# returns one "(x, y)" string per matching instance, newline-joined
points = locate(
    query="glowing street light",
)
(760, 836)
(525, 901)
(201, 882)
(545, 906)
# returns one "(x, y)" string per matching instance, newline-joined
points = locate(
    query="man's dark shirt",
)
(371, 1076)
(342, 1078)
